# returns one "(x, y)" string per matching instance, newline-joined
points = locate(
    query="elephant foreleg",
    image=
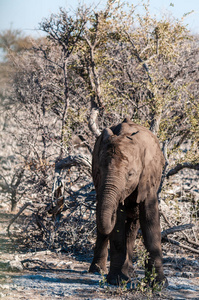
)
(100, 254)
(118, 252)
(150, 226)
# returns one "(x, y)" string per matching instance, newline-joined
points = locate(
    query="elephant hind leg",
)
(132, 226)
(98, 264)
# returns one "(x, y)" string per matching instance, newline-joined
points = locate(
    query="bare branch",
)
(174, 229)
(179, 167)
(17, 215)
(73, 160)
(93, 122)
(164, 150)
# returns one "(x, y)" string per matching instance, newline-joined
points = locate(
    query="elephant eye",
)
(128, 176)
(131, 173)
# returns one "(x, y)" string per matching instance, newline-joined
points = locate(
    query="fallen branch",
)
(174, 229)
(17, 215)
(179, 167)
(39, 264)
(180, 245)
(73, 160)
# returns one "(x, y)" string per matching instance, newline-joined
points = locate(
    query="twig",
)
(165, 218)
(136, 53)
(190, 241)
(17, 215)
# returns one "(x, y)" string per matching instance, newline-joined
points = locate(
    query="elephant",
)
(127, 166)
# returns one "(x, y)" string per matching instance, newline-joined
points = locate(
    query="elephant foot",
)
(117, 278)
(95, 268)
(161, 281)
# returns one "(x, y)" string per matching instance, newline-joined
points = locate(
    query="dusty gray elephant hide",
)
(127, 168)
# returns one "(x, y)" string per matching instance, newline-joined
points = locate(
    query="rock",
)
(187, 275)
(65, 265)
(15, 266)
(12, 265)
(2, 295)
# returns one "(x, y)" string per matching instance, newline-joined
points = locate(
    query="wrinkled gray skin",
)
(127, 168)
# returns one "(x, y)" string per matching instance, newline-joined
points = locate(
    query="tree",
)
(14, 41)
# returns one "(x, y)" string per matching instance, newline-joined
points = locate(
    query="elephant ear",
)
(107, 133)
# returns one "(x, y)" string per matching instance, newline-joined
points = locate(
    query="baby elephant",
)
(126, 170)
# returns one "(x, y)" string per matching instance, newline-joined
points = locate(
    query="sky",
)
(26, 14)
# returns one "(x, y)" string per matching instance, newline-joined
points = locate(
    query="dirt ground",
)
(54, 275)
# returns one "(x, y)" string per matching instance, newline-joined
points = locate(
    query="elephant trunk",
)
(108, 202)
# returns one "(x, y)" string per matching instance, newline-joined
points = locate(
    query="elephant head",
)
(116, 173)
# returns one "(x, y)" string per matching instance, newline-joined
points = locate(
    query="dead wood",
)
(17, 215)
(73, 160)
(174, 229)
(165, 217)
(39, 222)
(179, 167)
(58, 186)
(93, 122)
(35, 264)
